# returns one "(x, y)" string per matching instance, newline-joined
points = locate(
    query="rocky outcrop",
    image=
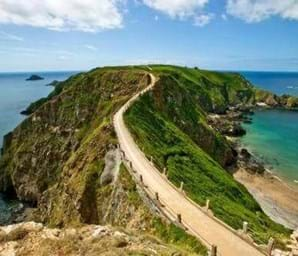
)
(31, 239)
(273, 100)
(292, 247)
(249, 163)
(226, 126)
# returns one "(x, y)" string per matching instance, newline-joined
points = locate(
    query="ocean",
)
(272, 136)
(15, 95)
(277, 82)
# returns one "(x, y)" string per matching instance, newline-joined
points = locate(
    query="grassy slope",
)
(72, 194)
(168, 233)
(186, 161)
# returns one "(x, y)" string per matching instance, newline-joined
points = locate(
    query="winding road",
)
(200, 224)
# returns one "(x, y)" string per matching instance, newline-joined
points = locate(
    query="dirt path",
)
(199, 223)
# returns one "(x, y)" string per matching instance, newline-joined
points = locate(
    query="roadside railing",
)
(165, 209)
(176, 217)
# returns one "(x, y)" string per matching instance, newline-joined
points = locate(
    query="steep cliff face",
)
(186, 110)
(63, 159)
(54, 159)
(54, 140)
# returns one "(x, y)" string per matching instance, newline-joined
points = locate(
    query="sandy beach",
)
(277, 199)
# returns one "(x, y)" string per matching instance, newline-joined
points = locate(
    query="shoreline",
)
(277, 199)
(277, 196)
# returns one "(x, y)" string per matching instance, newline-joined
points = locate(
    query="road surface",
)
(198, 222)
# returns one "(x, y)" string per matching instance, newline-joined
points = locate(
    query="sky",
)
(43, 35)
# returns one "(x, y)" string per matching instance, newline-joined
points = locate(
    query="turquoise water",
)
(4, 211)
(273, 135)
(15, 95)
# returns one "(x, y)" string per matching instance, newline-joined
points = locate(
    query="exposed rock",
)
(245, 154)
(292, 102)
(112, 166)
(250, 163)
(272, 100)
(268, 99)
(40, 146)
(91, 240)
(292, 247)
(226, 125)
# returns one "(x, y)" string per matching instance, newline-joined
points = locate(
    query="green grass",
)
(173, 147)
(168, 233)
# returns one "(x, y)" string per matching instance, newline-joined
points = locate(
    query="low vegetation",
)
(165, 123)
(55, 158)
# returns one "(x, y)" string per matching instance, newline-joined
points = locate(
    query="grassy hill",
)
(55, 158)
(169, 123)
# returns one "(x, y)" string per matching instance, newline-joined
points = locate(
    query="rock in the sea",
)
(245, 154)
(255, 167)
(34, 78)
(236, 130)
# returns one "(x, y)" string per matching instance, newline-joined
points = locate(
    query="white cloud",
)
(224, 16)
(28, 51)
(11, 37)
(177, 8)
(256, 11)
(90, 47)
(203, 19)
(87, 15)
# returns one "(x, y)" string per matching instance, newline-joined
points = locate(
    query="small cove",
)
(272, 137)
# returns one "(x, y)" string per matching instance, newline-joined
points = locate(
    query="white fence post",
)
(245, 227)
(181, 186)
(207, 204)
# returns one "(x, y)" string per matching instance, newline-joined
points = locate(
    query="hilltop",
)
(63, 158)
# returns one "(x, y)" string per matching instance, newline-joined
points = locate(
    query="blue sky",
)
(213, 34)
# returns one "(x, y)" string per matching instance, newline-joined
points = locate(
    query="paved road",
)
(200, 224)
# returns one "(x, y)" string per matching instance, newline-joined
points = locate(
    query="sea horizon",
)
(86, 70)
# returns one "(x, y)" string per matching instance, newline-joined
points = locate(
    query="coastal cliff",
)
(64, 162)
(63, 158)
